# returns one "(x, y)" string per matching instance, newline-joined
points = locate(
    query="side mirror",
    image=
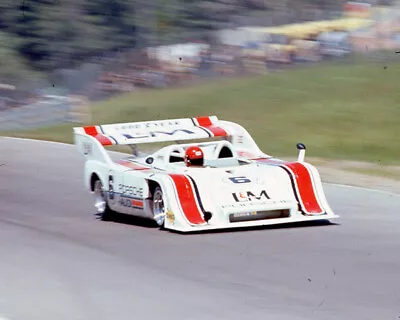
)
(302, 152)
(149, 160)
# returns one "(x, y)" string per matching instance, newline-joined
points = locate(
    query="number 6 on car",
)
(239, 179)
(225, 182)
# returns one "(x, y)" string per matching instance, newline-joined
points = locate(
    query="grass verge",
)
(340, 111)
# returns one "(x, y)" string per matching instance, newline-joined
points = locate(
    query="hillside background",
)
(40, 36)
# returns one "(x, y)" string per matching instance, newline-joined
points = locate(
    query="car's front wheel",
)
(159, 209)
(100, 202)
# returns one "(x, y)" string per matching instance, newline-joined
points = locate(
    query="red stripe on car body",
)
(92, 131)
(103, 140)
(206, 123)
(303, 187)
(187, 199)
(303, 180)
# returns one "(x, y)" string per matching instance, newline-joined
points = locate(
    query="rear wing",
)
(155, 131)
(167, 130)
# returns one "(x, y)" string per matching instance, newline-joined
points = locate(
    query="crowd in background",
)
(360, 27)
(257, 50)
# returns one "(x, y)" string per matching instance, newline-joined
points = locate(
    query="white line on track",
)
(36, 140)
(328, 183)
(363, 189)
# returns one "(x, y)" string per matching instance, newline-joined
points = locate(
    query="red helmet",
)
(194, 156)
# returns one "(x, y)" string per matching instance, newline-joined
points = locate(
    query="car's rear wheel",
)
(159, 209)
(100, 202)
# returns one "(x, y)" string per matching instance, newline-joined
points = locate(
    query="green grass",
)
(340, 111)
(383, 172)
(60, 133)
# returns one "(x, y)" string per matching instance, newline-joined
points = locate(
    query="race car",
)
(210, 175)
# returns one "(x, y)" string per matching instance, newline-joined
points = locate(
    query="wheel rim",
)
(99, 198)
(159, 208)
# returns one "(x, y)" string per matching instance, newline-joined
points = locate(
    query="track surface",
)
(58, 262)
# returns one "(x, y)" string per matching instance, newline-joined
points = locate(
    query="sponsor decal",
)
(170, 216)
(239, 179)
(148, 125)
(131, 196)
(153, 134)
(245, 214)
(252, 204)
(131, 203)
(249, 196)
(87, 149)
(130, 191)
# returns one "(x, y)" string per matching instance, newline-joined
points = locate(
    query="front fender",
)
(318, 187)
(184, 211)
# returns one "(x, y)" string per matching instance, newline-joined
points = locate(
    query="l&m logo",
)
(152, 134)
(249, 196)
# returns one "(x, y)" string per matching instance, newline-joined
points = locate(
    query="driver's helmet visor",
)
(196, 162)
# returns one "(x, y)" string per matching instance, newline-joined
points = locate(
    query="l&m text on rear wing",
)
(156, 131)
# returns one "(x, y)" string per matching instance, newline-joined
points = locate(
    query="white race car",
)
(234, 184)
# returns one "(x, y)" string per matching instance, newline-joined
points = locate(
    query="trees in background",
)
(53, 34)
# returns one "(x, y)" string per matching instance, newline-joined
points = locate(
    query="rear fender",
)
(101, 169)
(97, 160)
(91, 148)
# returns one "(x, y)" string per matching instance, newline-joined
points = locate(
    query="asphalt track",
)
(58, 262)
